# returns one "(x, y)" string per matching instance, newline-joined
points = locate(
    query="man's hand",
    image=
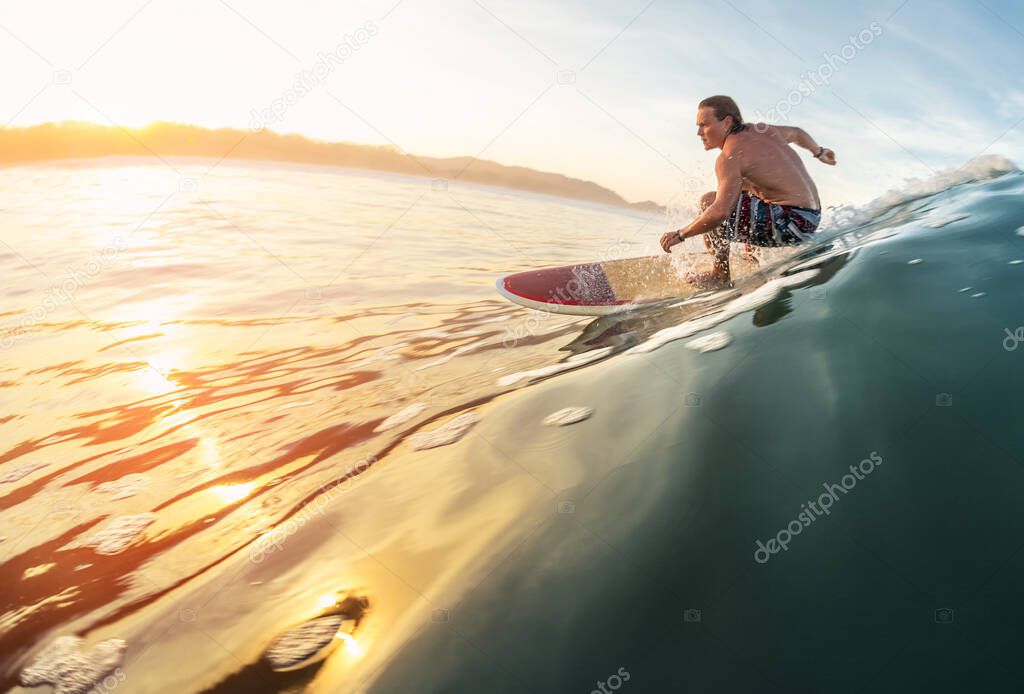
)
(828, 157)
(670, 239)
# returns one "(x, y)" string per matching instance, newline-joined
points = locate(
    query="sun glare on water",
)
(352, 646)
(230, 493)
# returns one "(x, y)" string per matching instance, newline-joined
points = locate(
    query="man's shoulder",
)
(747, 138)
(729, 159)
(754, 131)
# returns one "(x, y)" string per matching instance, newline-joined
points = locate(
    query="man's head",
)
(717, 116)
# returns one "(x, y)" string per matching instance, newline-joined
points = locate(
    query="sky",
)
(604, 91)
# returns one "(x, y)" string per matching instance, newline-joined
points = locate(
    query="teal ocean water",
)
(270, 429)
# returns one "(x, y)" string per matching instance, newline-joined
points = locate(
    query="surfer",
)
(765, 196)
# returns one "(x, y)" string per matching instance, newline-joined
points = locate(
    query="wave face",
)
(862, 426)
(809, 478)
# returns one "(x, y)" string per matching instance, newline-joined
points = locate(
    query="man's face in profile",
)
(710, 130)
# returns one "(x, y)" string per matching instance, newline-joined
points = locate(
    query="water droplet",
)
(124, 487)
(568, 415)
(300, 645)
(965, 289)
(401, 417)
(1016, 262)
(975, 296)
(23, 470)
(119, 533)
(915, 261)
(71, 666)
(710, 342)
(445, 434)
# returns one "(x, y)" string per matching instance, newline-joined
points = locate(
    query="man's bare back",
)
(770, 168)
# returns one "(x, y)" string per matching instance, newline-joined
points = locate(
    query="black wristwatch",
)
(821, 150)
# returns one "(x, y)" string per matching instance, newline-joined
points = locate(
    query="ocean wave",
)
(982, 168)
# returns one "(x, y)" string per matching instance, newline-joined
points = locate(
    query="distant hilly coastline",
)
(80, 140)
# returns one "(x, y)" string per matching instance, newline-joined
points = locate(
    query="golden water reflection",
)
(198, 378)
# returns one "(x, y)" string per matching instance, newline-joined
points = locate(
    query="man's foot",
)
(708, 280)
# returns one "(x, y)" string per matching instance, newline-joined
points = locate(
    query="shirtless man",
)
(765, 196)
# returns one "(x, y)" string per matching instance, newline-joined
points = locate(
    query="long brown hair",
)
(725, 106)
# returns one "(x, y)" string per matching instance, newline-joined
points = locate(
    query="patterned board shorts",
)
(761, 223)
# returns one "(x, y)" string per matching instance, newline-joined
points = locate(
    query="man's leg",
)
(718, 245)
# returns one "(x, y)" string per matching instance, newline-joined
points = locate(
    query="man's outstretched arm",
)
(730, 182)
(801, 138)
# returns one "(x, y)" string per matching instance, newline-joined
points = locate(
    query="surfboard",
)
(601, 288)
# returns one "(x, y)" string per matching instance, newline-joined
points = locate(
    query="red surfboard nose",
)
(570, 285)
